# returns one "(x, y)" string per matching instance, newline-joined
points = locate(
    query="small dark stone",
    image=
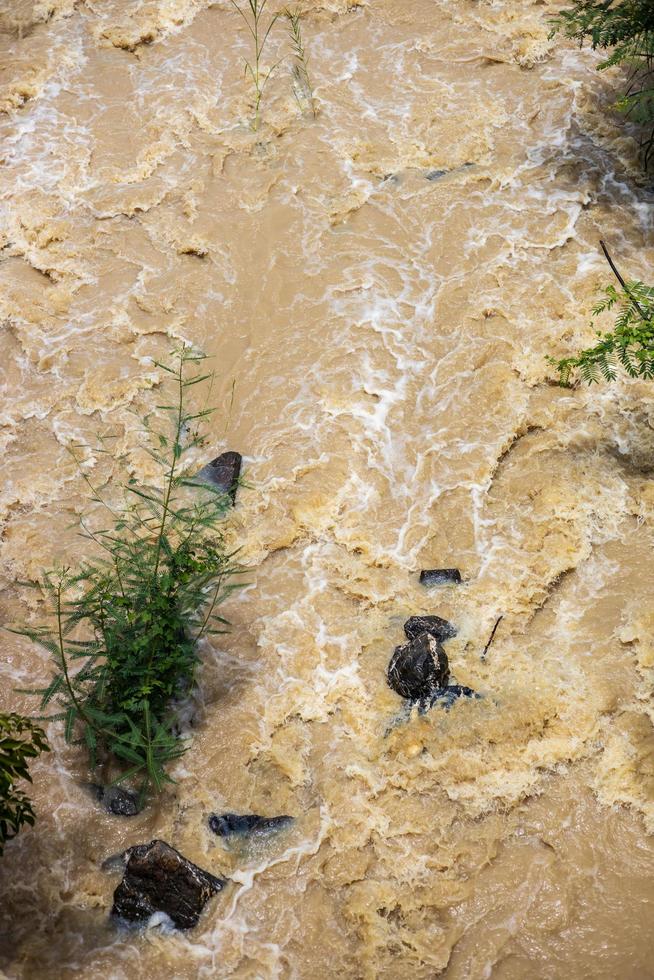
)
(435, 174)
(440, 576)
(117, 800)
(439, 628)
(234, 824)
(158, 878)
(115, 862)
(445, 697)
(223, 472)
(418, 668)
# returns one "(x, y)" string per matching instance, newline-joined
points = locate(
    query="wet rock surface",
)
(223, 472)
(447, 696)
(116, 800)
(158, 878)
(439, 628)
(418, 668)
(240, 825)
(440, 576)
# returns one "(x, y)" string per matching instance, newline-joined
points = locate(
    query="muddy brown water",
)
(383, 329)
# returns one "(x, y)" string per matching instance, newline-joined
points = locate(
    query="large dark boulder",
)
(158, 878)
(240, 825)
(440, 576)
(439, 628)
(418, 668)
(223, 473)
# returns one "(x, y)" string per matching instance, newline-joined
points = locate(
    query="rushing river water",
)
(379, 287)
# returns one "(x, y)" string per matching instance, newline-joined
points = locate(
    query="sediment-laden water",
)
(378, 287)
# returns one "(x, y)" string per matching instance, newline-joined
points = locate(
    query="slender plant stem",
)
(622, 282)
(168, 488)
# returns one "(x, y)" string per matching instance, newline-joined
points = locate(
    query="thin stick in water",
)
(621, 280)
(492, 636)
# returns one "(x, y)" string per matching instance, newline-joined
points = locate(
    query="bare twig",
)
(492, 636)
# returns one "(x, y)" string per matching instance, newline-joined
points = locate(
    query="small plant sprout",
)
(252, 13)
(302, 88)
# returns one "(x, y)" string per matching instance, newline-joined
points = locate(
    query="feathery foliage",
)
(127, 624)
(302, 88)
(629, 345)
(252, 13)
(20, 741)
(627, 26)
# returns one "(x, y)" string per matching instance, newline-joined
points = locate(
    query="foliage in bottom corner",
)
(20, 741)
(127, 623)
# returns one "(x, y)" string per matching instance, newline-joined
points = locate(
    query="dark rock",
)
(446, 697)
(418, 668)
(159, 879)
(439, 628)
(233, 824)
(436, 174)
(114, 799)
(223, 473)
(440, 576)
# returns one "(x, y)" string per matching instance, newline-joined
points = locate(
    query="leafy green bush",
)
(128, 624)
(629, 345)
(627, 26)
(20, 740)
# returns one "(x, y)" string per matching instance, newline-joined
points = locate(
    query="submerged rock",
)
(439, 628)
(447, 696)
(116, 800)
(223, 472)
(418, 668)
(237, 825)
(115, 862)
(436, 174)
(158, 878)
(440, 576)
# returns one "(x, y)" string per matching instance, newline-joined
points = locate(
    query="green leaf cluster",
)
(20, 741)
(128, 622)
(627, 26)
(629, 345)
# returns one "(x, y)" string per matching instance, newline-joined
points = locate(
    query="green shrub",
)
(627, 26)
(629, 345)
(128, 622)
(20, 741)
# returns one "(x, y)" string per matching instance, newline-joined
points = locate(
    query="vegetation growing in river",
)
(252, 13)
(20, 741)
(127, 624)
(629, 345)
(627, 26)
(302, 88)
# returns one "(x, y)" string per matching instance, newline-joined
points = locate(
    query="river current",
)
(378, 288)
